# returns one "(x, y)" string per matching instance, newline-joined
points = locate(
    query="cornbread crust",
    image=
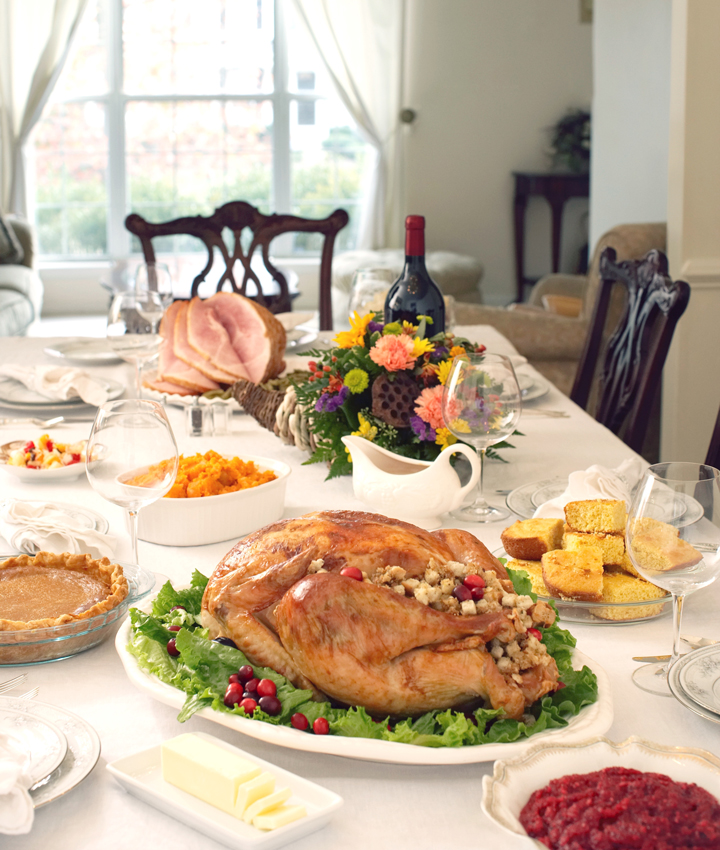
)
(621, 588)
(529, 539)
(534, 572)
(612, 546)
(574, 575)
(593, 515)
(103, 570)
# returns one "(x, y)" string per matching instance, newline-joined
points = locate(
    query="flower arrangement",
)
(383, 382)
(570, 141)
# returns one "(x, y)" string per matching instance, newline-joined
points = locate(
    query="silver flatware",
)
(31, 694)
(697, 642)
(41, 423)
(651, 659)
(543, 411)
(9, 684)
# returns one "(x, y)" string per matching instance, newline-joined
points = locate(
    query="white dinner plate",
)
(592, 720)
(697, 676)
(90, 350)
(141, 775)
(40, 742)
(83, 748)
(532, 388)
(39, 476)
(506, 792)
(17, 396)
(186, 400)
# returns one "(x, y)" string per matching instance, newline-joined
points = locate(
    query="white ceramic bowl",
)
(211, 519)
(513, 781)
(39, 476)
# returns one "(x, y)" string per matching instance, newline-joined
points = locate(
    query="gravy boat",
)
(416, 491)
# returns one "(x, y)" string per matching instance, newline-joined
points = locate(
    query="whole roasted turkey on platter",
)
(364, 609)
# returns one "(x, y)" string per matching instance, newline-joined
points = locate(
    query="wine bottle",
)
(415, 293)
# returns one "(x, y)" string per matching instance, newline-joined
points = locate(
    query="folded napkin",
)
(40, 526)
(58, 383)
(16, 805)
(596, 482)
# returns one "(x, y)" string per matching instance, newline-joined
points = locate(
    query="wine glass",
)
(673, 540)
(132, 329)
(132, 456)
(155, 277)
(369, 290)
(481, 405)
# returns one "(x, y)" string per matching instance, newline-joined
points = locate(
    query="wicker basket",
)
(275, 407)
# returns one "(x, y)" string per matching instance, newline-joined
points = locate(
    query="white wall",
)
(488, 78)
(631, 113)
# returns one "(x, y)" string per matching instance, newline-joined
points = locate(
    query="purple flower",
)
(375, 326)
(330, 403)
(439, 354)
(422, 428)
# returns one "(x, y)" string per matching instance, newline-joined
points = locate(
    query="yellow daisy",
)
(366, 429)
(356, 334)
(421, 346)
(444, 438)
(461, 425)
(443, 371)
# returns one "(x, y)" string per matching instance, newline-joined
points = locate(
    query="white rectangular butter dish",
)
(141, 775)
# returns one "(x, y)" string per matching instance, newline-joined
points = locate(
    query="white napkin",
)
(58, 383)
(16, 805)
(43, 527)
(596, 482)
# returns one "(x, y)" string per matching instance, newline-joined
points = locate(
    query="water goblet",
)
(132, 456)
(369, 290)
(673, 540)
(155, 277)
(132, 329)
(481, 405)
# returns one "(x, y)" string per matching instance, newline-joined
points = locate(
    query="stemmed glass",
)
(481, 405)
(132, 329)
(155, 277)
(127, 438)
(369, 289)
(673, 540)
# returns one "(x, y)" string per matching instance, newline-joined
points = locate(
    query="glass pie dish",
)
(34, 646)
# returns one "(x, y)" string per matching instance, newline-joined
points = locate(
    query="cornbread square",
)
(627, 566)
(606, 515)
(619, 587)
(529, 539)
(657, 551)
(574, 575)
(534, 571)
(611, 546)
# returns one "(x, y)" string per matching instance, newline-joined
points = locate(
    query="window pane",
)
(191, 47)
(70, 168)
(189, 157)
(85, 73)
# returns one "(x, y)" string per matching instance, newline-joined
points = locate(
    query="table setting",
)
(112, 713)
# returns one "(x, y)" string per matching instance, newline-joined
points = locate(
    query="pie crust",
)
(69, 587)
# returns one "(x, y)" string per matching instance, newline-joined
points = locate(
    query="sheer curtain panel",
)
(35, 36)
(362, 45)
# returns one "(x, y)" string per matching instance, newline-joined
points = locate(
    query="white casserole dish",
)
(211, 519)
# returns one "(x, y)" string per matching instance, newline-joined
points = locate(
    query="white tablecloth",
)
(387, 807)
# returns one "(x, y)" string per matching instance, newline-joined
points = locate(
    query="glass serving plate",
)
(604, 613)
(36, 646)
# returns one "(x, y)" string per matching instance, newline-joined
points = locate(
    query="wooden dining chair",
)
(635, 354)
(713, 455)
(236, 216)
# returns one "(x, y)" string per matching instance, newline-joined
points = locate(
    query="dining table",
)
(386, 806)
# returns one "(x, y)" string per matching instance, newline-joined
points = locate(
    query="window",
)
(173, 107)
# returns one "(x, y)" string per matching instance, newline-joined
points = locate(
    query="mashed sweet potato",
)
(210, 474)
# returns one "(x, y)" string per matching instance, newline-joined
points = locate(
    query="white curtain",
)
(361, 43)
(35, 37)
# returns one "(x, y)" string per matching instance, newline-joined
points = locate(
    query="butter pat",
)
(281, 816)
(251, 791)
(207, 771)
(265, 804)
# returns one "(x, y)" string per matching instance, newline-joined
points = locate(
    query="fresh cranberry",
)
(352, 572)
(174, 628)
(536, 633)
(299, 721)
(266, 688)
(473, 581)
(234, 679)
(246, 673)
(172, 649)
(270, 705)
(178, 608)
(250, 684)
(233, 694)
(321, 726)
(462, 593)
(249, 705)
(477, 593)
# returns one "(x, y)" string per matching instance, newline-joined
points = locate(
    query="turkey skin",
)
(397, 642)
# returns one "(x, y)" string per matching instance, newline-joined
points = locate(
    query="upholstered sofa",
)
(553, 342)
(21, 290)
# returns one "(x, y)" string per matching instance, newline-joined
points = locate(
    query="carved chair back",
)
(236, 216)
(636, 351)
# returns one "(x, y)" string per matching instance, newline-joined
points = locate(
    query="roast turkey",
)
(281, 596)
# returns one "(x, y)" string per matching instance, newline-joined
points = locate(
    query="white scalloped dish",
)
(506, 792)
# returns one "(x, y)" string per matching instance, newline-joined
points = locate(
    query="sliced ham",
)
(170, 367)
(256, 336)
(166, 387)
(189, 355)
(208, 337)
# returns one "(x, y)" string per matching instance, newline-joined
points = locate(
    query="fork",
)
(41, 423)
(31, 694)
(9, 684)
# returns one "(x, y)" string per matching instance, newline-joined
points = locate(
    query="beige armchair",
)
(544, 330)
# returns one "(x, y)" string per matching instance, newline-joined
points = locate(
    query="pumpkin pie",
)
(51, 590)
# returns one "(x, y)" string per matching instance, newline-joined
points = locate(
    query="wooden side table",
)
(557, 189)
